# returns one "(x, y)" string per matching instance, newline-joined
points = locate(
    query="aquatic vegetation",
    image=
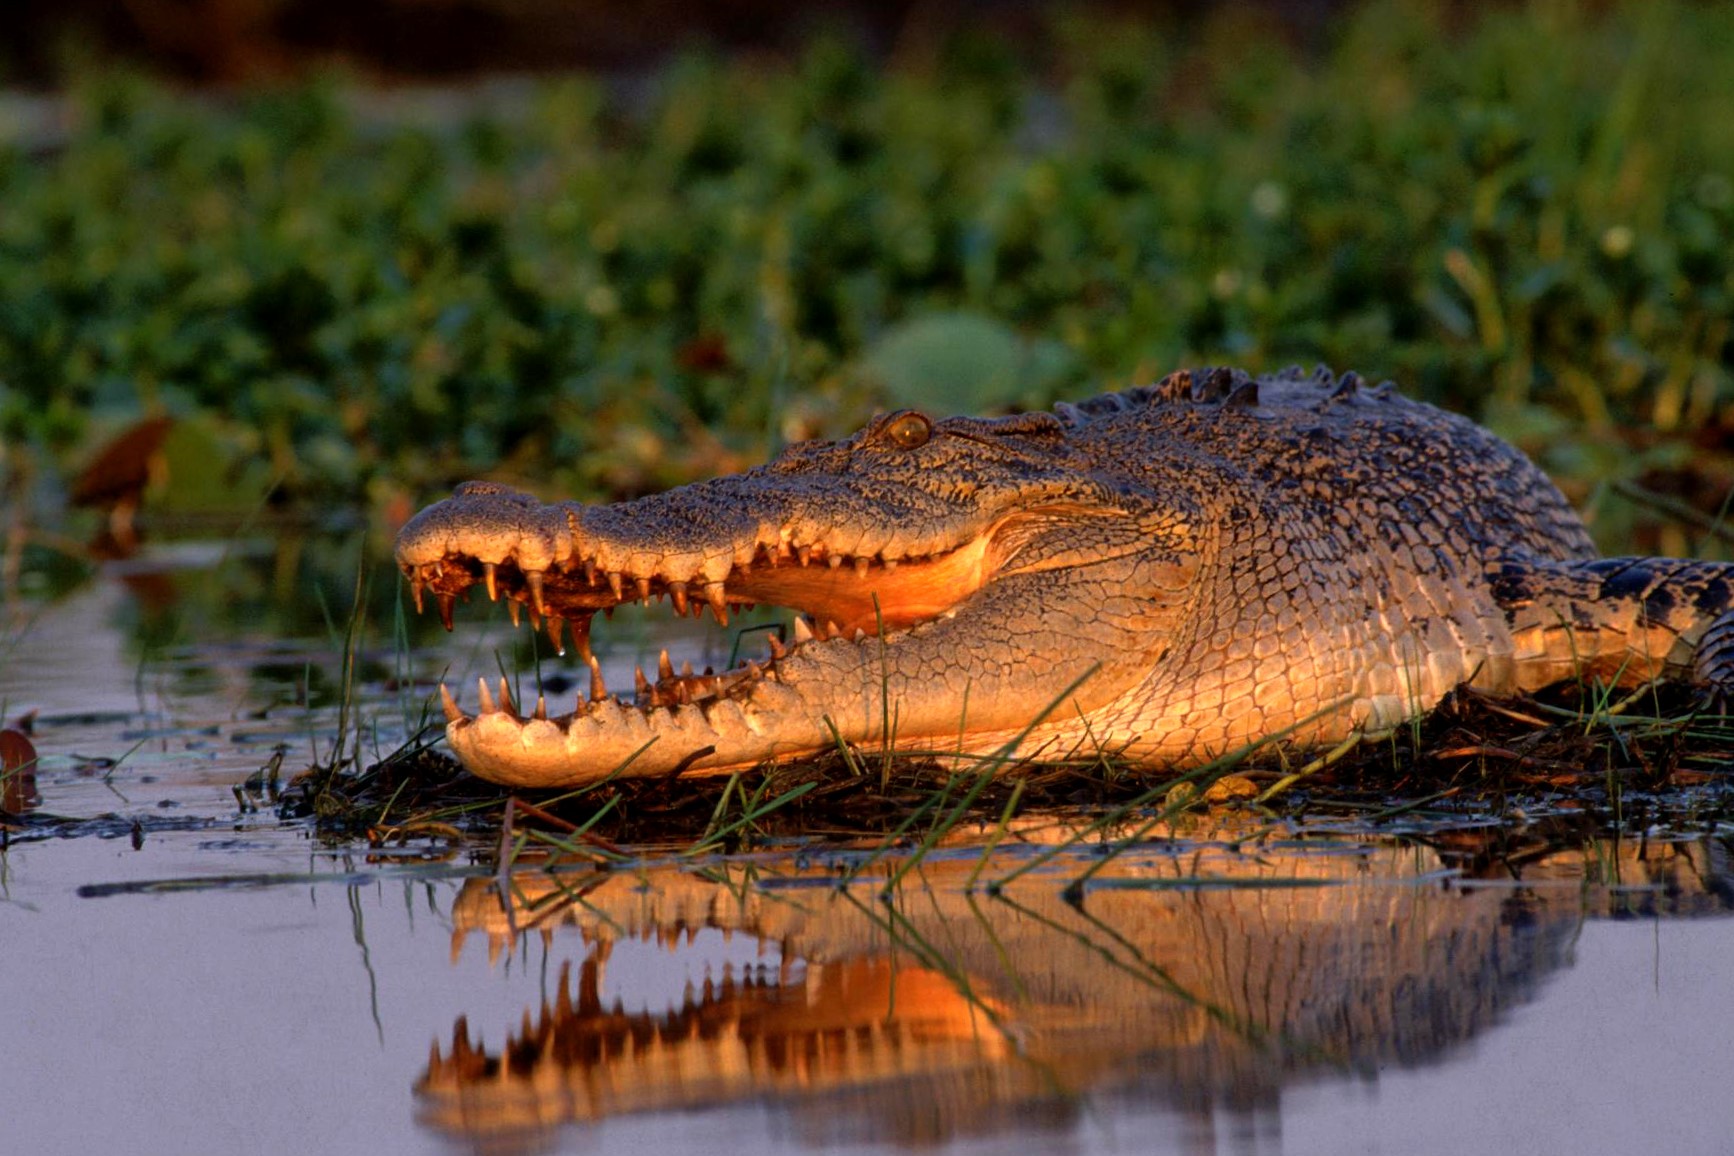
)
(611, 287)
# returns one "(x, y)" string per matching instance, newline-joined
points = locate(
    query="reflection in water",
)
(855, 1023)
(1206, 980)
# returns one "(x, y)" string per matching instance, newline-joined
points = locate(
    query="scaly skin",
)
(1164, 575)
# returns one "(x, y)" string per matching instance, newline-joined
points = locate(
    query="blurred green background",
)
(353, 278)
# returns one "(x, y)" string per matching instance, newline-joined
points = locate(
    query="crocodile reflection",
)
(1206, 980)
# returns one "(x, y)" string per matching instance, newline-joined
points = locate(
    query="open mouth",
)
(834, 595)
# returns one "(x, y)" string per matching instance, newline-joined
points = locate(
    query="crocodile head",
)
(954, 581)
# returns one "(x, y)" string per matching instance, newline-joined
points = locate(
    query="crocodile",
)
(1159, 576)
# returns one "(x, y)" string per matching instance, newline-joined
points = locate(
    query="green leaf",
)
(963, 362)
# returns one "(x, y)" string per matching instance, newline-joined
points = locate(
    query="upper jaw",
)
(566, 561)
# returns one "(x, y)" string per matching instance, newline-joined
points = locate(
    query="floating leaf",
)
(17, 752)
(17, 772)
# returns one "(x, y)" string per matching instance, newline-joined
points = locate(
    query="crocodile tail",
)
(1621, 620)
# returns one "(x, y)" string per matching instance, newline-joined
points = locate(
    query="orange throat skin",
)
(897, 597)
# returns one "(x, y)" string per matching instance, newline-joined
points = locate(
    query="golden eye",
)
(909, 429)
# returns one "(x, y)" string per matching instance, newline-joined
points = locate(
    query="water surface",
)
(190, 974)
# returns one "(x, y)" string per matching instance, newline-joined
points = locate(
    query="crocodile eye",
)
(909, 429)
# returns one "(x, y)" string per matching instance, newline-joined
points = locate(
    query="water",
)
(187, 975)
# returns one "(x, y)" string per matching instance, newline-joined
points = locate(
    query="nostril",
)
(493, 490)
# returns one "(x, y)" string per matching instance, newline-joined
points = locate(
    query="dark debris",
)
(1480, 759)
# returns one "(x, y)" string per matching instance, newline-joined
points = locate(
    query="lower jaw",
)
(614, 738)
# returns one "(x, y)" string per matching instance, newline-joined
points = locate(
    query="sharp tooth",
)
(615, 585)
(589, 572)
(512, 609)
(416, 586)
(581, 636)
(488, 581)
(677, 592)
(506, 703)
(598, 689)
(686, 670)
(833, 628)
(640, 684)
(643, 585)
(890, 565)
(718, 598)
(804, 554)
(861, 565)
(834, 561)
(534, 579)
(447, 601)
(803, 630)
(449, 705)
(683, 691)
(754, 670)
(859, 634)
(542, 707)
(485, 697)
(556, 627)
(664, 668)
